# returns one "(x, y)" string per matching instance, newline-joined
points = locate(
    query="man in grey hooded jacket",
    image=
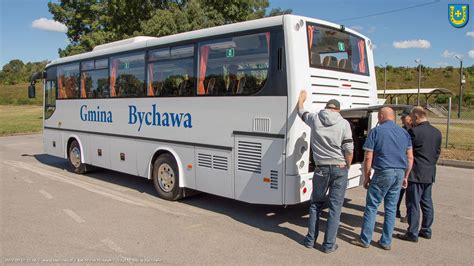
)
(332, 146)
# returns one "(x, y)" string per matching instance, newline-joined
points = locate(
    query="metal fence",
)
(458, 131)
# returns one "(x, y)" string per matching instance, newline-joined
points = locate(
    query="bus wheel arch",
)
(74, 148)
(166, 173)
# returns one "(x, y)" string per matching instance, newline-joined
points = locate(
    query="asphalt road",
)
(49, 215)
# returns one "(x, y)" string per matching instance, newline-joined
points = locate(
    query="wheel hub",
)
(75, 157)
(166, 177)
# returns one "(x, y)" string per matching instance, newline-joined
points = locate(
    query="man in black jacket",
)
(426, 141)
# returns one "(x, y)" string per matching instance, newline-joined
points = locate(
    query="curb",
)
(456, 163)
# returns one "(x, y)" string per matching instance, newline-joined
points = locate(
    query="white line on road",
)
(111, 244)
(109, 193)
(74, 216)
(14, 170)
(192, 226)
(46, 194)
(27, 180)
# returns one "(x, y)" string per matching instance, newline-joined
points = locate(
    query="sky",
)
(29, 34)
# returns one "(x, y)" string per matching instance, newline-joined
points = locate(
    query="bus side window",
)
(68, 81)
(127, 75)
(95, 79)
(239, 65)
(171, 71)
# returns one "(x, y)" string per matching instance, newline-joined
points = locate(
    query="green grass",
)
(18, 94)
(20, 119)
(460, 135)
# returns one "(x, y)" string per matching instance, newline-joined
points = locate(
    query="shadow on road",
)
(268, 218)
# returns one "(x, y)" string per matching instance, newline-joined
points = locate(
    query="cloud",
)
(371, 29)
(412, 44)
(470, 33)
(374, 46)
(471, 53)
(449, 54)
(442, 64)
(48, 25)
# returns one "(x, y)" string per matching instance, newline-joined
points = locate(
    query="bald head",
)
(385, 114)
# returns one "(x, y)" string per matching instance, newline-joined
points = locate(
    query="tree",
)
(16, 71)
(94, 22)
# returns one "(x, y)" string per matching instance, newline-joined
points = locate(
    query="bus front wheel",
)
(166, 177)
(75, 159)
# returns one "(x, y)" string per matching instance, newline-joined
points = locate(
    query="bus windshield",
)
(333, 49)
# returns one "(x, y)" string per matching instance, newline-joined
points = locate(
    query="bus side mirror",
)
(32, 91)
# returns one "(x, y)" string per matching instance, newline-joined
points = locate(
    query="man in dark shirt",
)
(426, 141)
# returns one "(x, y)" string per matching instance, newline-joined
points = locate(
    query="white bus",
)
(211, 110)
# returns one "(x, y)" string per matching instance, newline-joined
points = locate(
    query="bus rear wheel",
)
(75, 159)
(166, 178)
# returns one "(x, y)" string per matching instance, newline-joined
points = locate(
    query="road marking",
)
(74, 216)
(27, 180)
(14, 170)
(192, 226)
(46, 194)
(109, 193)
(111, 244)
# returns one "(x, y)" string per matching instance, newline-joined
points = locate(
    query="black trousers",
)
(419, 198)
(402, 192)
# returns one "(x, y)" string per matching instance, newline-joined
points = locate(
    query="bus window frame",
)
(333, 68)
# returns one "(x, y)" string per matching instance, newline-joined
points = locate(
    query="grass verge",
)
(20, 119)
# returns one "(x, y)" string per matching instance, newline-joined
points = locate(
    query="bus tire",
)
(75, 158)
(166, 178)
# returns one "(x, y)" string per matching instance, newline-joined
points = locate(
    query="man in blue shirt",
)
(388, 151)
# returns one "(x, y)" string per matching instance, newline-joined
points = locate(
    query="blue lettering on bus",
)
(156, 118)
(95, 115)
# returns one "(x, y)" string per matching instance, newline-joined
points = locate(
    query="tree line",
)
(93, 22)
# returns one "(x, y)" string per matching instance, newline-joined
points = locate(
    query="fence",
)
(458, 133)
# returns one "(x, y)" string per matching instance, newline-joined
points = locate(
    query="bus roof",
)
(146, 41)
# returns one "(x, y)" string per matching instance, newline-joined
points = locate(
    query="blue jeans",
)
(334, 179)
(419, 196)
(385, 185)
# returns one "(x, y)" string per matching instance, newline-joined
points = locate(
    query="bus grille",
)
(274, 179)
(249, 157)
(212, 161)
(261, 125)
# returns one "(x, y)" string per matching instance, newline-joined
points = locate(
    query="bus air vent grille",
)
(249, 157)
(274, 179)
(204, 160)
(219, 162)
(261, 125)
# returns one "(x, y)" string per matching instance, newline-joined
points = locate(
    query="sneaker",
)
(331, 250)
(357, 242)
(406, 237)
(404, 220)
(399, 215)
(382, 246)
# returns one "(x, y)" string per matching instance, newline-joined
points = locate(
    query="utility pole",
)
(385, 80)
(461, 82)
(418, 61)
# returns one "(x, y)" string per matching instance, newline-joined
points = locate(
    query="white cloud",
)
(412, 44)
(449, 54)
(48, 25)
(374, 46)
(471, 53)
(470, 33)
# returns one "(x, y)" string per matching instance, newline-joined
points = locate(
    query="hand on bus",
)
(302, 97)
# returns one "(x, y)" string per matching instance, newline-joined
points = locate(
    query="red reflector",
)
(304, 190)
(346, 85)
